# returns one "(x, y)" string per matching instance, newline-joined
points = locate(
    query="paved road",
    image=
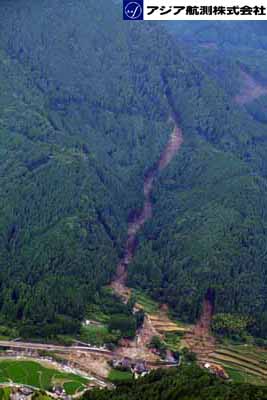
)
(52, 347)
(71, 349)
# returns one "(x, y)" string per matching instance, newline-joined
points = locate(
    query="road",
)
(52, 347)
(71, 349)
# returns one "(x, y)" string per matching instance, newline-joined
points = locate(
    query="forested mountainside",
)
(82, 119)
(223, 48)
(218, 242)
(226, 34)
(209, 223)
(186, 383)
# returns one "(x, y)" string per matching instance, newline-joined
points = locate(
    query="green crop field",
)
(238, 375)
(97, 335)
(116, 375)
(5, 393)
(244, 363)
(34, 374)
(149, 305)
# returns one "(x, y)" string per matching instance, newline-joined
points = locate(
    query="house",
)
(140, 368)
(126, 363)
(59, 390)
(123, 364)
(22, 393)
(26, 391)
(17, 396)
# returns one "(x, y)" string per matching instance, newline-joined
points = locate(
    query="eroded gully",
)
(139, 217)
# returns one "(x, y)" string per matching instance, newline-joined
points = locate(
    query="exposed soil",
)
(92, 364)
(137, 348)
(251, 90)
(202, 328)
(199, 340)
(139, 217)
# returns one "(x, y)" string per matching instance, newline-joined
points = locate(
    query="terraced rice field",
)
(242, 365)
(240, 376)
(158, 317)
(144, 302)
(162, 323)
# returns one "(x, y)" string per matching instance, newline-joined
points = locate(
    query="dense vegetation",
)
(209, 224)
(186, 383)
(79, 124)
(82, 117)
(115, 320)
(230, 325)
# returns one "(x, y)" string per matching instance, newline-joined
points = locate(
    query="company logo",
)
(133, 10)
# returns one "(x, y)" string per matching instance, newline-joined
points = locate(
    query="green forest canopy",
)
(82, 118)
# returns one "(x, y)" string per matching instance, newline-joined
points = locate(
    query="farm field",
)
(238, 375)
(5, 393)
(96, 335)
(247, 350)
(34, 374)
(158, 316)
(118, 376)
(144, 302)
(243, 363)
(162, 323)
